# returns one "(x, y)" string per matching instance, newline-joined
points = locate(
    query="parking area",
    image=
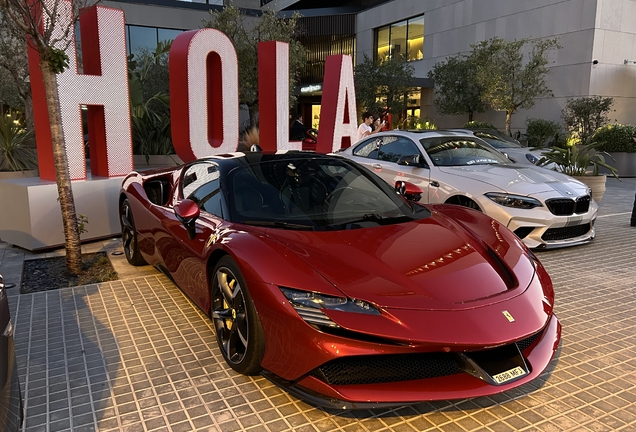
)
(137, 355)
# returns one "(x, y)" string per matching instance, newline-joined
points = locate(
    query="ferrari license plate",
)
(509, 375)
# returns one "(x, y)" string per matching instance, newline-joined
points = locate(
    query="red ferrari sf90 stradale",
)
(340, 288)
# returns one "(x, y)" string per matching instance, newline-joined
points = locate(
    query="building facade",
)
(598, 39)
(598, 55)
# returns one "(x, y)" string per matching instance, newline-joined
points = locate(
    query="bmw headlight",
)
(515, 201)
(532, 158)
(305, 299)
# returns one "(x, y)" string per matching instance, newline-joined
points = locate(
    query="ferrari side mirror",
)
(187, 212)
(412, 160)
(408, 190)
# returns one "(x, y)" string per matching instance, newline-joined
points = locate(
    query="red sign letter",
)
(203, 94)
(103, 88)
(338, 111)
(273, 97)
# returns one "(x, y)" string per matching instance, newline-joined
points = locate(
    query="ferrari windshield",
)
(461, 151)
(314, 193)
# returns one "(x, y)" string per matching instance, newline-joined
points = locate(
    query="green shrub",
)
(478, 125)
(413, 123)
(15, 155)
(540, 132)
(585, 115)
(615, 138)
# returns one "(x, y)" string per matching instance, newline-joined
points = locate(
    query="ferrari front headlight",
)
(308, 299)
(515, 201)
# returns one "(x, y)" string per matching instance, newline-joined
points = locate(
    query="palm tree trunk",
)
(62, 175)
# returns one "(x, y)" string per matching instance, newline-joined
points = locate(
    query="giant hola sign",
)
(204, 105)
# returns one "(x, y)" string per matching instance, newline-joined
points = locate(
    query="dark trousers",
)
(632, 221)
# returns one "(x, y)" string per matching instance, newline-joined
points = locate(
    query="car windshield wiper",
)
(376, 217)
(278, 224)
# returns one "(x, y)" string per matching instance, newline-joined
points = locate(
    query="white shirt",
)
(361, 131)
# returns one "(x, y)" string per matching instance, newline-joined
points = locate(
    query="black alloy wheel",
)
(129, 235)
(238, 330)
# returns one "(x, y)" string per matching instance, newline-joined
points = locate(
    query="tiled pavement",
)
(136, 355)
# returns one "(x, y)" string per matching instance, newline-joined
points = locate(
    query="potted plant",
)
(16, 158)
(618, 143)
(582, 161)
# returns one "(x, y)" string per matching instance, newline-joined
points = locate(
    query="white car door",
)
(381, 155)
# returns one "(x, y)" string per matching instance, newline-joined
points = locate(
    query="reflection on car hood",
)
(519, 179)
(430, 264)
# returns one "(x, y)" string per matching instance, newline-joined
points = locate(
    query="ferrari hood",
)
(519, 179)
(430, 264)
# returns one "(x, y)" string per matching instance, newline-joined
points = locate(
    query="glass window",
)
(461, 151)
(167, 34)
(201, 185)
(393, 148)
(368, 149)
(142, 37)
(398, 40)
(383, 43)
(416, 38)
(404, 39)
(197, 175)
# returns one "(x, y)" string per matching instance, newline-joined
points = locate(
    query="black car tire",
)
(236, 323)
(129, 235)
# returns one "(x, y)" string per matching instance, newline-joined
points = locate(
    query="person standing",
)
(365, 127)
(298, 129)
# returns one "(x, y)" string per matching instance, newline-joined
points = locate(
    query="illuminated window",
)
(403, 39)
(383, 46)
(416, 38)
(398, 40)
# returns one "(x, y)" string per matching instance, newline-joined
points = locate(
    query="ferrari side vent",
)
(314, 316)
(567, 232)
(375, 369)
(525, 343)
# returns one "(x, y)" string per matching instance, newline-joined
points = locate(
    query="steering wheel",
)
(333, 193)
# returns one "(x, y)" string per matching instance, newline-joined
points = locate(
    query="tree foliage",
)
(383, 86)
(456, 88)
(43, 24)
(584, 115)
(540, 132)
(150, 101)
(232, 21)
(512, 73)
(15, 89)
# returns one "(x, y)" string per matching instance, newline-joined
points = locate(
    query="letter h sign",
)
(102, 88)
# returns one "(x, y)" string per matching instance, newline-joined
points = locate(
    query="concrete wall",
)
(160, 16)
(588, 30)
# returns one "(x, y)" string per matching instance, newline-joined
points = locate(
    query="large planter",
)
(596, 183)
(624, 162)
(18, 174)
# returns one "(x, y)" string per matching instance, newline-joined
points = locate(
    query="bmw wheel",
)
(129, 235)
(238, 330)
